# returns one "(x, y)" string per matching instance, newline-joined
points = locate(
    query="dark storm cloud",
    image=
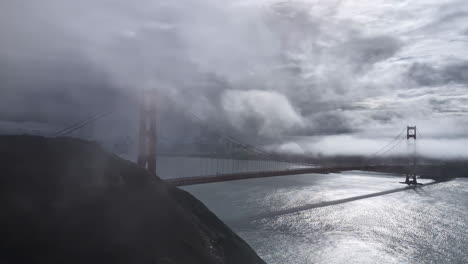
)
(165, 54)
(451, 17)
(449, 105)
(386, 117)
(427, 75)
(366, 51)
(457, 73)
(72, 89)
(50, 72)
(256, 70)
(331, 124)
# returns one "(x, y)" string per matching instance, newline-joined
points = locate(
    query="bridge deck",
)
(256, 174)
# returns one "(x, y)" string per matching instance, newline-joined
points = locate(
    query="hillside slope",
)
(67, 201)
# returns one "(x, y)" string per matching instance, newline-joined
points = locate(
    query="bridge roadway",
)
(258, 174)
(431, 171)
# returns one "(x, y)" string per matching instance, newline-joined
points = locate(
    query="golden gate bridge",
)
(228, 166)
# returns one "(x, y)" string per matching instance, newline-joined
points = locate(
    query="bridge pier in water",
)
(411, 150)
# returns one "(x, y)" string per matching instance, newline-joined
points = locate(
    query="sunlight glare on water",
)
(291, 220)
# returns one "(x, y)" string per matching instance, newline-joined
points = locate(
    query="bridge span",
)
(432, 171)
(233, 148)
(258, 174)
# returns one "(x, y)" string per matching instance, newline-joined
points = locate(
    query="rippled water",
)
(353, 217)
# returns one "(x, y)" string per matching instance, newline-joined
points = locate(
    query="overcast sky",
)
(323, 76)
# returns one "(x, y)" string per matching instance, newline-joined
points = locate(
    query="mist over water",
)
(427, 224)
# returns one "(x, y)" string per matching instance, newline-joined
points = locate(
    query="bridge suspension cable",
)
(231, 139)
(394, 146)
(375, 154)
(72, 128)
(419, 133)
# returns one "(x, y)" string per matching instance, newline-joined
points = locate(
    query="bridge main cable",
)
(375, 154)
(72, 128)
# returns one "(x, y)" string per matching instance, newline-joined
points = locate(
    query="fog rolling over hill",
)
(67, 201)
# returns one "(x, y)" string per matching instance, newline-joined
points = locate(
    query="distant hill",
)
(68, 201)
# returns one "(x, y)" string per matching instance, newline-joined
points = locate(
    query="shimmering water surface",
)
(353, 217)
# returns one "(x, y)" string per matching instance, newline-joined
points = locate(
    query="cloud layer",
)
(268, 71)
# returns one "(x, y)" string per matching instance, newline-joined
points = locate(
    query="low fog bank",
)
(355, 145)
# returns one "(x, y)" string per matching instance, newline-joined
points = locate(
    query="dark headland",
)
(68, 201)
